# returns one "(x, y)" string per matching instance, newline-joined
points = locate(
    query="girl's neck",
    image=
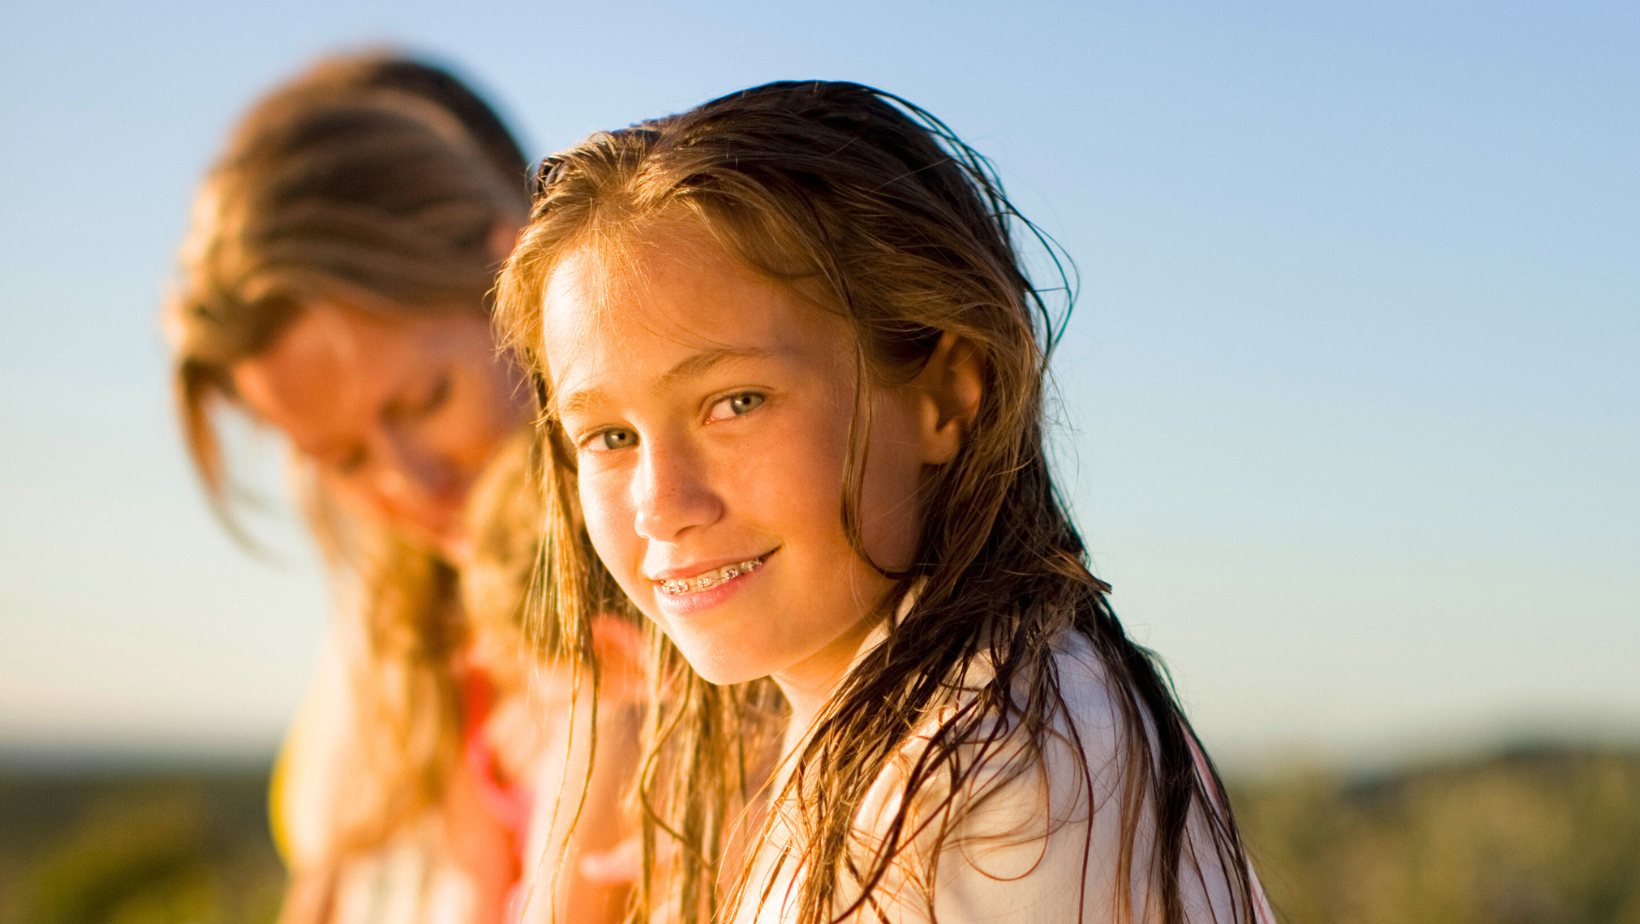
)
(810, 684)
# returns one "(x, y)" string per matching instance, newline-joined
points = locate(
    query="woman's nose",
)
(411, 473)
(672, 491)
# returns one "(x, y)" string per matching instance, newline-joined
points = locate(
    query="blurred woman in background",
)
(335, 285)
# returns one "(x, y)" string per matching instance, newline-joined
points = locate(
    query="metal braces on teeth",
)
(710, 579)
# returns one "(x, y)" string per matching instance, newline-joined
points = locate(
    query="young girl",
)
(794, 370)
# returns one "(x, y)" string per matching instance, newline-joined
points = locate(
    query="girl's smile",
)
(710, 412)
(680, 597)
(706, 579)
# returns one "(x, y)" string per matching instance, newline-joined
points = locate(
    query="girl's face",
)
(399, 414)
(709, 411)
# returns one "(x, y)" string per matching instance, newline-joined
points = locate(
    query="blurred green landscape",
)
(1517, 837)
(1533, 834)
(151, 846)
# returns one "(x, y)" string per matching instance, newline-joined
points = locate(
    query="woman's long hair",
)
(377, 180)
(905, 232)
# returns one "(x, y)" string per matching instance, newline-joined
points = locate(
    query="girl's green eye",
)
(736, 405)
(615, 439)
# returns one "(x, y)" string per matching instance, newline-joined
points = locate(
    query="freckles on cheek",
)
(610, 526)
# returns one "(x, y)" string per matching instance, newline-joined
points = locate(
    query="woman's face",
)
(709, 410)
(399, 414)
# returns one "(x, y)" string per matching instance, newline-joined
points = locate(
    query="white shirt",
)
(1028, 848)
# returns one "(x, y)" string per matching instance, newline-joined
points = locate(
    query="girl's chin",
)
(716, 660)
(724, 675)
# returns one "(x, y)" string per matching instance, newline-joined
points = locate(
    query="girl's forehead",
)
(673, 281)
(636, 311)
(625, 263)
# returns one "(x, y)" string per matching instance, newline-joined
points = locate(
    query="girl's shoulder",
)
(1082, 719)
(1013, 825)
(980, 746)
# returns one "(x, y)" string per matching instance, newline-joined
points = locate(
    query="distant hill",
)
(1526, 836)
(141, 847)
(1523, 837)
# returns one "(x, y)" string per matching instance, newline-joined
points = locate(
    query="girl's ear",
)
(951, 383)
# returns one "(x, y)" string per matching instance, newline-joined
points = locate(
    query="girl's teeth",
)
(710, 579)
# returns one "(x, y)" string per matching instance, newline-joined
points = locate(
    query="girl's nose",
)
(672, 492)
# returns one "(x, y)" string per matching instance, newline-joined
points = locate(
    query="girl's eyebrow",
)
(690, 367)
(701, 363)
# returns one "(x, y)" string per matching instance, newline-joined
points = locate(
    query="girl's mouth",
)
(710, 579)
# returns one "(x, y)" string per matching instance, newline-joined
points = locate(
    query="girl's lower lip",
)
(685, 604)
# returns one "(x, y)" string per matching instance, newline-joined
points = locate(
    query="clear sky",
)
(1350, 403)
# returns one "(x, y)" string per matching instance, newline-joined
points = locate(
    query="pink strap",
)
(509, 805)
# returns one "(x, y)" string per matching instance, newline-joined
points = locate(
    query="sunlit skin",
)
(398, 412)
(709, 409)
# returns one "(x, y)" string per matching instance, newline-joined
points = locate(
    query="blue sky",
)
(1351, 411)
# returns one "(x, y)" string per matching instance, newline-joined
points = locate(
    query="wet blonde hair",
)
(377, 181)
(904, 232)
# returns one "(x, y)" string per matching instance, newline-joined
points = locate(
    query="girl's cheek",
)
(609, 521)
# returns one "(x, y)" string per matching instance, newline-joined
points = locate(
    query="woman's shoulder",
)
(304, 789)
